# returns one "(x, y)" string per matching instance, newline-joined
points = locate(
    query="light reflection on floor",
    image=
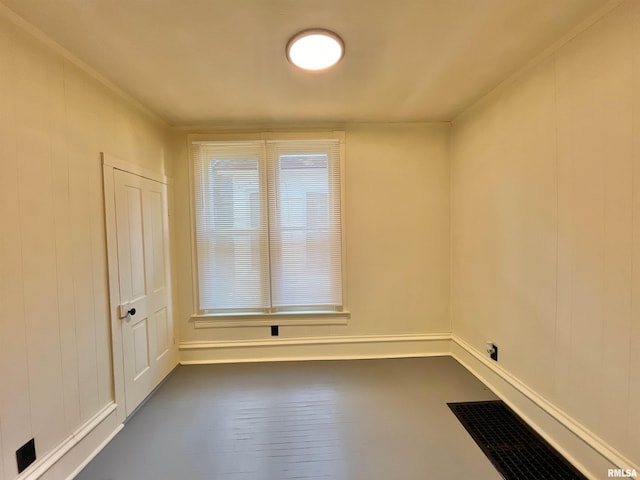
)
(284, 434)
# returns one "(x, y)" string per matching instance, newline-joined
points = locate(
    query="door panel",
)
(136, 243)
(143, 270)
(162, 332)
(140, 348)
(159, 267)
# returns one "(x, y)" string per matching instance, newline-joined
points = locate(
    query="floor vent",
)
(513, 447)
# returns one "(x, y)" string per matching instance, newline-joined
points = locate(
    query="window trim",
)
(224, 320)
(212, 320)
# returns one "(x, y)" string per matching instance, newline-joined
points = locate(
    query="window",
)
(268, 226)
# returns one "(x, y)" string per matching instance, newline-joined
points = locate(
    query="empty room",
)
(348, 240)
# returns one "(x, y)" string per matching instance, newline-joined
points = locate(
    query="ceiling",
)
(222, 62)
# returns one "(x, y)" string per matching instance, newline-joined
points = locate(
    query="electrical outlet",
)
(26, 455)
(275, 330)
(492, 350)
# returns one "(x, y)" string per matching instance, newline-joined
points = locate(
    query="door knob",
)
(131, 312)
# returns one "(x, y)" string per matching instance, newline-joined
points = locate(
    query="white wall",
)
(397, 238)
(545, 228)
(55, 359)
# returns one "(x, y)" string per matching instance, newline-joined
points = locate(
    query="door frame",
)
(109, 165)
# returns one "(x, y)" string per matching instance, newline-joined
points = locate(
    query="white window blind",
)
(305, 224)
(268, 226)
(231, 227)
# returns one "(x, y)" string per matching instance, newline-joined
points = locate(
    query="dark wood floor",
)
(341, 420)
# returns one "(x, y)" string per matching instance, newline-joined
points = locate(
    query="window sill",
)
(268, 319)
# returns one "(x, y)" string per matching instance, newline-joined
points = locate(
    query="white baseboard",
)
(316, 348)
(590, 454)
(95, 452)
(72, 454)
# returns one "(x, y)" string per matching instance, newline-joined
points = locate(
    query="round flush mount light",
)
(315, 49)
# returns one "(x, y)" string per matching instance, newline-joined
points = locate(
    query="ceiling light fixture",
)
(315, 49)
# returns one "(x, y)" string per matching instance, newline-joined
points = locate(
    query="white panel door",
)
(143, 271)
